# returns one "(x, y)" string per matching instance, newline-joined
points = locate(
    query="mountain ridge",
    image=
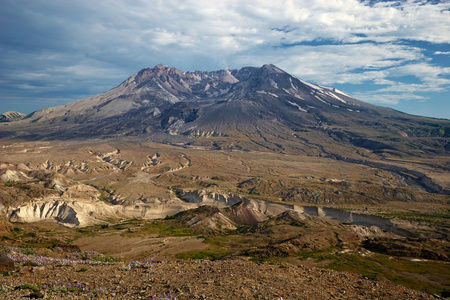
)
(251, 108)
(10, 116)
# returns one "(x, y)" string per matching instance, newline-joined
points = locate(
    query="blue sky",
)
(389, 53)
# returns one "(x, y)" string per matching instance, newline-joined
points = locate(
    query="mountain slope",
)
(248, 109)
(10, 116)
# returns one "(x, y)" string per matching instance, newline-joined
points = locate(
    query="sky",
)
(389, 53)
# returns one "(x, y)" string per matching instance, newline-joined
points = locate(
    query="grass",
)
(417, 275)
(211, 253)
(160, 229)
(438, 219)
(319, 255)
(29, 286)
(223, 245)
(235, 241)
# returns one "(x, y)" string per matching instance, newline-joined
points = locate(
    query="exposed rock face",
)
(80, 213)
(70, 214)
(243, 213)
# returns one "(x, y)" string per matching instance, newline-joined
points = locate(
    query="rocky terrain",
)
(228, 279)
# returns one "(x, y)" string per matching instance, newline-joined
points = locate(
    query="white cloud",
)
(328, 42)
(388, 98)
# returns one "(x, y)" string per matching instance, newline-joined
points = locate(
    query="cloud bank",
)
(385, 52)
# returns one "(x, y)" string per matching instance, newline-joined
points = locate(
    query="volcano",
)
(248, 109)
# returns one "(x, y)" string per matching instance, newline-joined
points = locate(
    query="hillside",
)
(10, 116)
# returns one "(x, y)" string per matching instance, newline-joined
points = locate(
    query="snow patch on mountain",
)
(336, 97)
(340, 92)
(267, 93)
(316, 87)
(321, 100)
(292, 84)
(273, 83)
(298, 106)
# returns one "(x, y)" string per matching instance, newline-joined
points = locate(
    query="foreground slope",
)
(230, 279)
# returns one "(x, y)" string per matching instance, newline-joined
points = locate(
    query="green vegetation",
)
(86, 231)
(234, 242)
(158, 228)
(319, 255)
(438, 219)
(29, 286)
(223, 245)
(378, 266)
(163, 229)
(139, 227)
(211, 253)
(28, 251)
